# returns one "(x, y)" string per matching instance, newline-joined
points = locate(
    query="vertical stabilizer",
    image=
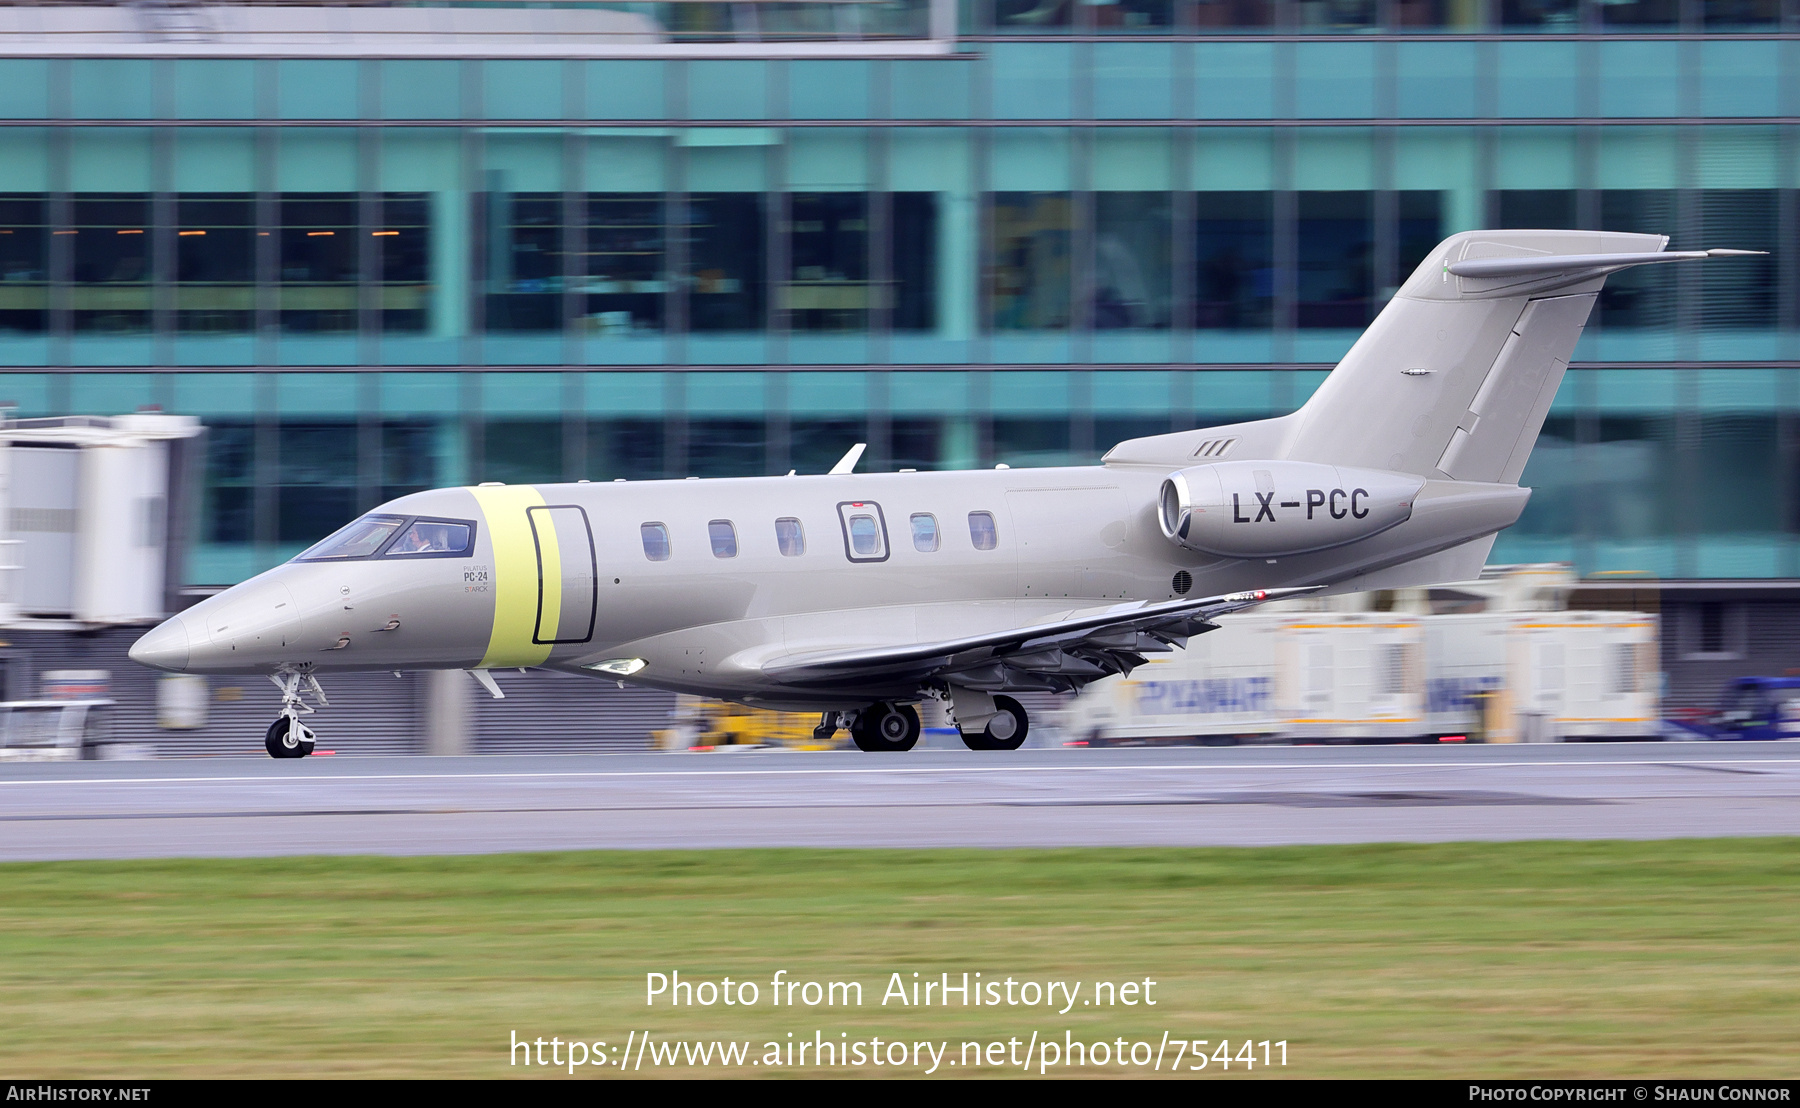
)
(1455, 376)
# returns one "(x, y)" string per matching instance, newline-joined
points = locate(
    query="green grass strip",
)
(1599, 959)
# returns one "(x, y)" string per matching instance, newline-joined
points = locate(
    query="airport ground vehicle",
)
(1751, 708)
(701, 723)
(1389, 677)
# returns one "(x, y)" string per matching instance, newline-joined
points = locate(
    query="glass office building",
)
(723, 239)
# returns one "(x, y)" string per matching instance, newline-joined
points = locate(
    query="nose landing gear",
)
(287, 737)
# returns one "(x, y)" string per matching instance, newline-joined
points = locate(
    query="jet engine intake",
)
(1254, 509)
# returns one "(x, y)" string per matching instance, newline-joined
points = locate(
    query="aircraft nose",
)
(165, 647)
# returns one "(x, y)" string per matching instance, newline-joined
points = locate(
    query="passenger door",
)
(567, 601)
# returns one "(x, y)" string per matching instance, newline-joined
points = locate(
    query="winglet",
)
(849, 460)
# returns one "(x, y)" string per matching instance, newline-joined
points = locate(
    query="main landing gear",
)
(985, 722)
(879, 727)
(1004, 730)
(287, 737)
(885, 726)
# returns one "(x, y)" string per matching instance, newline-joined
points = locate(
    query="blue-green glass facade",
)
(1086, 222)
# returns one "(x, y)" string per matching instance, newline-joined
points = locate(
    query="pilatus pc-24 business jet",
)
(860, 595)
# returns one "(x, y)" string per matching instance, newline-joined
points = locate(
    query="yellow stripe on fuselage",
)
(503, 508)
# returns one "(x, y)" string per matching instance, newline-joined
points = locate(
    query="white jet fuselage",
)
(721, 605)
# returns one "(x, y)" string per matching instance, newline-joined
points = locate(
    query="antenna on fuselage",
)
(849, 460)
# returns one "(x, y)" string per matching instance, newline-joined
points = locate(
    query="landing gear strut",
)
(886, 727)
(287, 737)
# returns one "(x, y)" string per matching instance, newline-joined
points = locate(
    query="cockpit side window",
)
(360, 539)
(426, 537)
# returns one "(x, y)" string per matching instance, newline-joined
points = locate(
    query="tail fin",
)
(1455, 376)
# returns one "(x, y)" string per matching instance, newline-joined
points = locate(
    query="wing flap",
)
(1058, 656)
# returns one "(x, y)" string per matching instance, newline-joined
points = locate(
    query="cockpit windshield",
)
(358, 540)
(395, 536)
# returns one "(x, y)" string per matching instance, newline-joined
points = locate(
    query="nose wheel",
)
(288, 738)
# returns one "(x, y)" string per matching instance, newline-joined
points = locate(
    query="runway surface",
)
(1132, 797)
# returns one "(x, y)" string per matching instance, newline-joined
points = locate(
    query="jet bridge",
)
(94, 517)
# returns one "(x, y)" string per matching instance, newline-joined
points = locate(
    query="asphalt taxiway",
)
(1060, 797)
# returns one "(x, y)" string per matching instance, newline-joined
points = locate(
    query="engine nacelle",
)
(1268, 509)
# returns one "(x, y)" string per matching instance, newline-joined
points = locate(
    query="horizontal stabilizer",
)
(1597, 264)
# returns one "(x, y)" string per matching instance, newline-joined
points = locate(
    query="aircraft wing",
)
(1059, 656)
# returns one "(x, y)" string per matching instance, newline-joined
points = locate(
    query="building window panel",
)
(24, 263)
(319, 262)
(229, 493)
(1335, 249)
(404, 249)
(1337, 15)
(1419, 228)
(1641, 15)
(1133, 17)
(316, 480)
(1644, 297)
(915, 260)
(1556, 16)
(1132, 261)
(1031, 16)
(1735, 476)
(726, 448)
(1436, 15)
(111, 267)
(625, 264)
(1234, 14)
(1743, 295)
(1741, 15)
(1533, 208)
(828, 285)
(522, 451)
(525, 261)
(1234, 278)
(215, 263)
(1029, 284)
(726, 261)
(631, 449)
(409, 456)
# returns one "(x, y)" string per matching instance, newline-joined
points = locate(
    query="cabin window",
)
(982, 532)
(431, 536)
(865, 531)
(865, 537)
(790, 537)
(925, 532)
(724, 538)
(656, 541)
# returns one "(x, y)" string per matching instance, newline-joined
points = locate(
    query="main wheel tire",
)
(1005, 731)
(886, 728)
(282, 741)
